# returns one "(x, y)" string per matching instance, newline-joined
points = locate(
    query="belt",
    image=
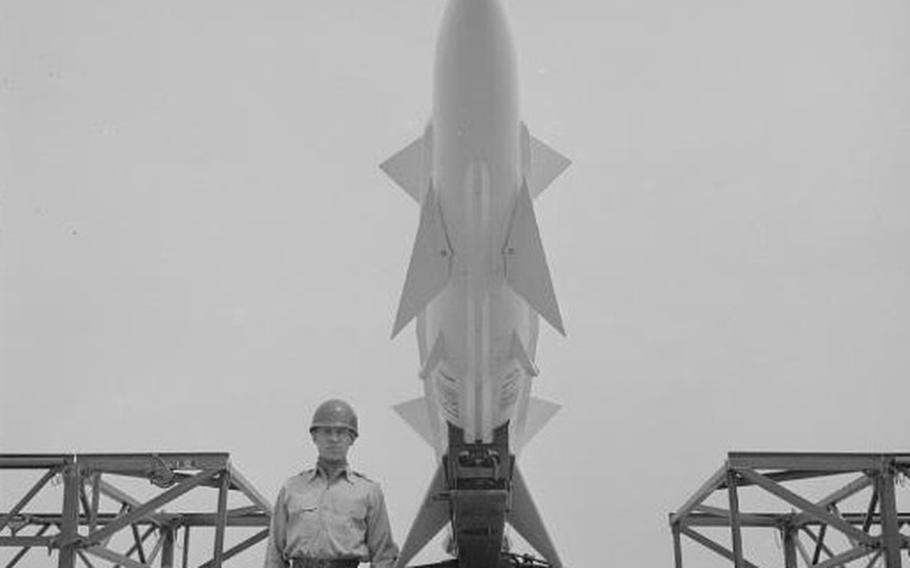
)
(307, 562)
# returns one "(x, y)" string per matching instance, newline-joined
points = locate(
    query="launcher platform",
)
(78, 507)
(855, 521)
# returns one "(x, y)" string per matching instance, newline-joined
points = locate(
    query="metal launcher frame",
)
(83, 527)
(872, 534)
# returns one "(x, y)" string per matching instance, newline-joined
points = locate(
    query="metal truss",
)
(95, 513)
(870, 536)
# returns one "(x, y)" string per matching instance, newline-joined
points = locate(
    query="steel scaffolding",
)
(84, 526)
(873, 534)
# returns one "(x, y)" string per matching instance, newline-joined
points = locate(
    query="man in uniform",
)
(330, 516)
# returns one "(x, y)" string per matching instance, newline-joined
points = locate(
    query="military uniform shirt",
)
(318, 517)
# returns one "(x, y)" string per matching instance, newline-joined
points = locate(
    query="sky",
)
(197, 245)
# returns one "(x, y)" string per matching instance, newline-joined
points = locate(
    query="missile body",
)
(476, 284)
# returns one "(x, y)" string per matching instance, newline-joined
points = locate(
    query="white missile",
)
(477, 283)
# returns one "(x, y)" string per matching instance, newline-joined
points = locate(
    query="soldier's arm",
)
(274, 553)
(383, 550)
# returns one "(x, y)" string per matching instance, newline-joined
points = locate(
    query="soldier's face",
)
(332, 443)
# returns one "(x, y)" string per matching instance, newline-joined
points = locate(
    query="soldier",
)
(330, 516)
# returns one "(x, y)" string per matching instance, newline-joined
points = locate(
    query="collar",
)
(346, 472)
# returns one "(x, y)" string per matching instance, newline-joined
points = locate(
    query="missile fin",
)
(540, 412)
(416, 414)
(431, 263)
(432, 517)
(526, 520)
(405, 168)
(542, 164)
(526, 264)
(521, 355)
(436, 356)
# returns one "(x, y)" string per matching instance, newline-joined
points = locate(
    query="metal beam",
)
(870, 510)
(767, 520)
(874, 559)
(150, 506)
(706, 489)
(156, 550)
(84, 484)
(810, 508)
(835, 497)
(67, 538)
(138, 540)
(117, 558)
(218, 553)
(144, 463)
(167, 550)
(186, 547)
(819, 543)
(677, 547)
(891, 537)
(735, 527)
(793, 475)
(140, 550)
(820, 546)
(745, 519)
(27, 541)
(38, 486)
(249, 490)
(833, 462)
(804, 554)
(240, 547)
(848, 490)
(84, 559)
(713, 546)
(109, 490)
(789, 535)
(35, 461)
(844, 557)
(24, 550)
(96, 502)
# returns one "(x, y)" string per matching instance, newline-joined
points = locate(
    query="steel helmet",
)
(335, 413)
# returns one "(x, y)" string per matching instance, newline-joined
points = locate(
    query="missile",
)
(477, 285)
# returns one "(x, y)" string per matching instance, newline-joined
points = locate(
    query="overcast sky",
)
(198, 247)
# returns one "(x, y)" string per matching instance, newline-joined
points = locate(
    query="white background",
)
(198, 247)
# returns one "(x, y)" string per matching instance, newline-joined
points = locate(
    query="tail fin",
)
(432, 518)
(525, 519)
(539, 413)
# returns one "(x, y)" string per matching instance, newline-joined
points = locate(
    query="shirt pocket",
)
(352, 525)
(355, 510)
(303, 516)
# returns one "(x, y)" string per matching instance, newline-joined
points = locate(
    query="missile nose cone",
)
(469, 13)
(474, 36)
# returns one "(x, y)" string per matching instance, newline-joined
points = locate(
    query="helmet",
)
(335, 413)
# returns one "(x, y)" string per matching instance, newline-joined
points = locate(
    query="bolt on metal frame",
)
(873, 534)
(83, 529)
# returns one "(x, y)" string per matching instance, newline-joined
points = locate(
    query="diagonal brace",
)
(28, 497)
(240, 547)
(845, 557)
(712, 546)
(150, 506)
(811, 508)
